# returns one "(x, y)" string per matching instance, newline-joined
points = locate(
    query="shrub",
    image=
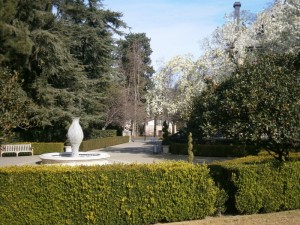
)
(214, 150)
(112, 194)
(258, 184)
(101, 133)
(42, 147)
(103, 142)
(165, 130)
(267, 187)
(190, 148)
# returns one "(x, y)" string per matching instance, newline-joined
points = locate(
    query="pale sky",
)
(177, 27)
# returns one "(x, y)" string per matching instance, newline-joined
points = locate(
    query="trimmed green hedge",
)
(42, 147)
(264, 186)
(103, 142)
(267, 187)
(112, 194)
(214, 150)
(102, 133)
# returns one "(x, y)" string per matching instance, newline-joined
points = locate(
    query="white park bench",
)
(16, 148)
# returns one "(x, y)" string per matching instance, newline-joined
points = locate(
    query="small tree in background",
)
(190, 148)
(135, 70)
(165, 130)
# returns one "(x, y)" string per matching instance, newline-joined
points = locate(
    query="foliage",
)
(14, 104)
(113, 194)
(175, 85)
(104, 142)
(225, 49)
(63, 52)
(267, 188)
(273, 31)
(41, 148)
(203, 110)
(262, 157)
(259, 105)
(258, 184)
(115, 106)
(165, 130)
(190, 148)
(276, 29)
(101, 134)
(135, 50)
(135, 73)
(214, 150)
(180, 80)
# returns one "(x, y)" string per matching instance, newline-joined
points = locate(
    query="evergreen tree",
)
(190, 148)
(259, 105)
(63, 51)
(13, 103)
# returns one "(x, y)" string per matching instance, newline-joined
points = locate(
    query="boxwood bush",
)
(43, 147)
(95, 133)
(103, 142)
(111, 194)
(259, 184)
(267, 187)
(215, 150)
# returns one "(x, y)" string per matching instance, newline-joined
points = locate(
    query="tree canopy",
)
(135, 72)
(258, 105)
(13, 101)
(70, 63)
(63, 52)
(63, 58)
(242, 86)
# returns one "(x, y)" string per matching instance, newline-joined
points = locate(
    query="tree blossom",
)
(275, 30)
(175, 86)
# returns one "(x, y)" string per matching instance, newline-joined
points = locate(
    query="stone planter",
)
(68, 148)
(166, 149)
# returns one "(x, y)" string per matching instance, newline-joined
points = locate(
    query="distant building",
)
(149, 128)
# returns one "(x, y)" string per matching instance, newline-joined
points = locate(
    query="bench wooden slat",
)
(16, 148)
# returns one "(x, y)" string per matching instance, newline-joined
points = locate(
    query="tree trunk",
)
(155, 124)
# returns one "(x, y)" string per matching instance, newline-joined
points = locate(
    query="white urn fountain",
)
(74, 157)
(75, 136)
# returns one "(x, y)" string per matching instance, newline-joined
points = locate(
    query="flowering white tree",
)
(276, 29)
(225, 49)
(175, 86)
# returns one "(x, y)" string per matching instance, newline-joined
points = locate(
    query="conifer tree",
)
(190, 148)
(63, 52)
(13, 103)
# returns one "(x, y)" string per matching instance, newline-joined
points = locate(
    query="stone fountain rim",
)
(66, 157)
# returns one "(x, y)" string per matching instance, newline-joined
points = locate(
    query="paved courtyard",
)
(137, 151)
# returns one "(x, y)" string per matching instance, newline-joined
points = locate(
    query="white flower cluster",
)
(176, 84)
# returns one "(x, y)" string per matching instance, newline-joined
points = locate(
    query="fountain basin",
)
(83, 158)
